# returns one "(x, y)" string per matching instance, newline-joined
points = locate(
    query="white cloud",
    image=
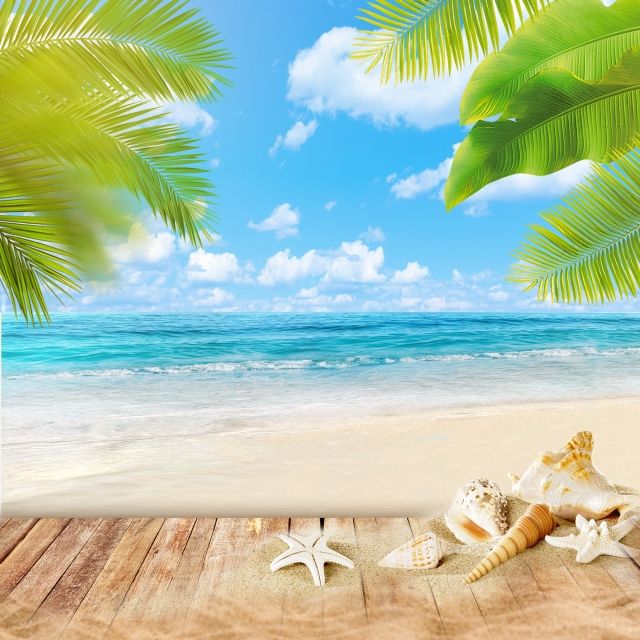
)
(496, 294)
(355, 262)
(413, 272)
(522, 185)
(325, 79)
(457, 277)
(284, 220)
(421, 182)
(311, 298)
(391, 178)
(477, 210)
(515, 187)
(283, 267)
(189, 114)
(214, 267)
(352, 262)
(142, 246)
(215, 162)
(214, 298)
(297, 135)
(372, 235)
(330, 205)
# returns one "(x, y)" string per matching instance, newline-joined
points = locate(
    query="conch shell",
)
(423, 552)
(536, 522)
(478, 512)
(569, 484)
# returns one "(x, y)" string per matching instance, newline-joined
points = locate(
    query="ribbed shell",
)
(529, 529)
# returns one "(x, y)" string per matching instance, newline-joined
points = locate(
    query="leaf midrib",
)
(573, 48)
(95, 40)
(572, 264)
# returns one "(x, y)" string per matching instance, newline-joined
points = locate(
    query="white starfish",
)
(310, 550)
(595, 539)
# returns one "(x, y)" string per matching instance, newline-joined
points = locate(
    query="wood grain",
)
(90, 579)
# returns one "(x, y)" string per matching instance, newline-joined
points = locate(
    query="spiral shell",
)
(529, 529)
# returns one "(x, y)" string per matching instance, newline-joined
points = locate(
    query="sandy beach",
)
(383, 465)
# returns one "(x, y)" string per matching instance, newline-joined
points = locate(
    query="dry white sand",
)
(393, 465)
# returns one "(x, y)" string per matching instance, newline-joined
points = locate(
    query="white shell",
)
(478, 512)
(569, 484)
(423, 552)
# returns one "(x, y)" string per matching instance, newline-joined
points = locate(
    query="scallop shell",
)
(423, 552)
(569, 484)
(478, 512)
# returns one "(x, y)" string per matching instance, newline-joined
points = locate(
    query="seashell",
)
(423, 552)
(478, 512)
(569, 484)
(536, 522)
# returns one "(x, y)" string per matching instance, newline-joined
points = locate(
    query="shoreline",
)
(382, 465)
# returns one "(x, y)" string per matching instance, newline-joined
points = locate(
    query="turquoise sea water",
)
(237, 371)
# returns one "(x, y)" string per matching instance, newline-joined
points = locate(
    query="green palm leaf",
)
(80, 81)
(155, 162)
(413, 38)
(34, 259)
(555, 120)
(590, 248)
(148, 48)
(593, 44)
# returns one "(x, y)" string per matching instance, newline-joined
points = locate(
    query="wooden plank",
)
(177, 599)
(63, 600)
(28, 551)
(143, 600)
(554, 579)
(497, 604)
(232, 542)
(99, 606)
(303, 616)
(343, 600)
(625, 573)
(597, 585)
(525, 588)
(408, 604)
(34, 587)
(12, 533)
(3, 523)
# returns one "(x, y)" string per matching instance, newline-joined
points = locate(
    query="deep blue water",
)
(252, 370)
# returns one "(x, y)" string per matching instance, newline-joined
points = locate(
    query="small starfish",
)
(310, 550)
(595, 540)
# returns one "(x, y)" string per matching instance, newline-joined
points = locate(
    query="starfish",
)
(595, 540)
(310, 550)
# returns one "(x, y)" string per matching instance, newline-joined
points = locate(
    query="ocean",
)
(219, 413)
(252, 371)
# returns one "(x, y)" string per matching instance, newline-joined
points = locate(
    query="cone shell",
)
(423, 552)
(569, 483)
(478, 512)
(529, 529)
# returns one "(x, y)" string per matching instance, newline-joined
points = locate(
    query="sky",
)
(329, 187)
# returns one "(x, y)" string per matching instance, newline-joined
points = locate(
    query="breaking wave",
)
(345, 363)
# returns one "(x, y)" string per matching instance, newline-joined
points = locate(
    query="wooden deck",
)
(155, 577)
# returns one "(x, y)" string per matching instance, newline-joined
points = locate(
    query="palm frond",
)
(589, 249)
(593, 44)
(126, 145)
(412, 39)
(53, 221)
(35, 260)
(150, 48)
(555, 120)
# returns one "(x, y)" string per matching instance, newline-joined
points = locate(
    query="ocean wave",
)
(345, 363)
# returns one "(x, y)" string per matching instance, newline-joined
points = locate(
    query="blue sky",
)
(329, 186)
